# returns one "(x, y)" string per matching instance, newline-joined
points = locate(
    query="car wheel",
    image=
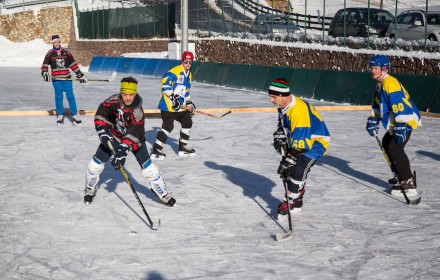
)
(432, 38)
(391, 36)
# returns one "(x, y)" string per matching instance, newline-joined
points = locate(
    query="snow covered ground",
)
(225, 221)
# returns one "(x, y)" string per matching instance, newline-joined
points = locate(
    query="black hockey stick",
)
(390, 164)
(154, 226)
(282, 236)
(213, 116)
(90, 80)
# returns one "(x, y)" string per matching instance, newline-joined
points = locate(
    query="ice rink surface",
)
(224, 224)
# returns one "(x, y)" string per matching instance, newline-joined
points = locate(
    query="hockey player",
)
(301, 138)
(175, 104)
(399, 116)
(119, 122)
(61, 61)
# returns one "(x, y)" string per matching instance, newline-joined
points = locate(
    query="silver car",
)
(274, 24)
(411, 26)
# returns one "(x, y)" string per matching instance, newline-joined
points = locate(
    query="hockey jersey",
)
(392, 104)
(126, 123)
(304, 128)
(177, 82)
(60, 61)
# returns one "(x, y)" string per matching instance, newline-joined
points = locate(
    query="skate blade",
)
(283, 236)
(180, 154)
(157, 158)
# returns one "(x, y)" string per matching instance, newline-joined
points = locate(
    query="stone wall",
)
(85, 50)
(27, 26)
(260, 54)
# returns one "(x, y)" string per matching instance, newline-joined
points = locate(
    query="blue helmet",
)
(380, 60)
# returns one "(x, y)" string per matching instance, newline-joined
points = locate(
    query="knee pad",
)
(151, 173)
(150, 170)
(94, 169)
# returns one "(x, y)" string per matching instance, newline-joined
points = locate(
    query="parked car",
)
(411, 26)
(356, 22)
(274, 24)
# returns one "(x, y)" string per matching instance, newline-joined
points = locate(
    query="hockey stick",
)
(282, 236)
(211, 115)
(390, 164)
(91, 80)
(154, 226)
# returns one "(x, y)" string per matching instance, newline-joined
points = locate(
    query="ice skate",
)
(409, 187)
(185, 151)
(89, 194)
(157, 155)
(76, 121)
(393, 182)
(60, 120)
(295, 205)
(165, 198)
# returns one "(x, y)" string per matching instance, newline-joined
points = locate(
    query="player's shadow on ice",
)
(112, 180)
(253, 185)
(429, 154)
(343, 167)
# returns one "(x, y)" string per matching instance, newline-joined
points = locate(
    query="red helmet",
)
(187, 56)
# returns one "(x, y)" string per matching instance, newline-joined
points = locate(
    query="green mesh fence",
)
(128, 23)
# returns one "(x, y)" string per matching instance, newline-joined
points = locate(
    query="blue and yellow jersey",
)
(305, 128)
(175, 81)
(392, 104)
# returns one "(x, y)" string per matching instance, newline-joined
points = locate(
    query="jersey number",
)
(298, 144)
(397, 108)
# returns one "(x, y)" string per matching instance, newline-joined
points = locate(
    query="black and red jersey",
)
(126, 123)
(61, 62)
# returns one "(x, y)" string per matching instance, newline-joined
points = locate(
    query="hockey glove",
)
(372, 126)
(280, 141)
(286, 167)
(120, 156)
(105, 135)
(400, 132)
(46, 76)
(190, 107)
(81, 78)
(175, 102)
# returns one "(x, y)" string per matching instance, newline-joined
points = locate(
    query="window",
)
(405, 19)
(434, 19)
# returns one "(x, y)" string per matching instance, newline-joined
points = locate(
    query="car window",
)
(341, 17)
(405, 19)
(384, 16)
(354, 16)
(417, 20)
(434, 19)
(337, 17)
(280, 20)
(364, 16)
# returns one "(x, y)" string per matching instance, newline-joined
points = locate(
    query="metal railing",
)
(23, 3)
(235, 18)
